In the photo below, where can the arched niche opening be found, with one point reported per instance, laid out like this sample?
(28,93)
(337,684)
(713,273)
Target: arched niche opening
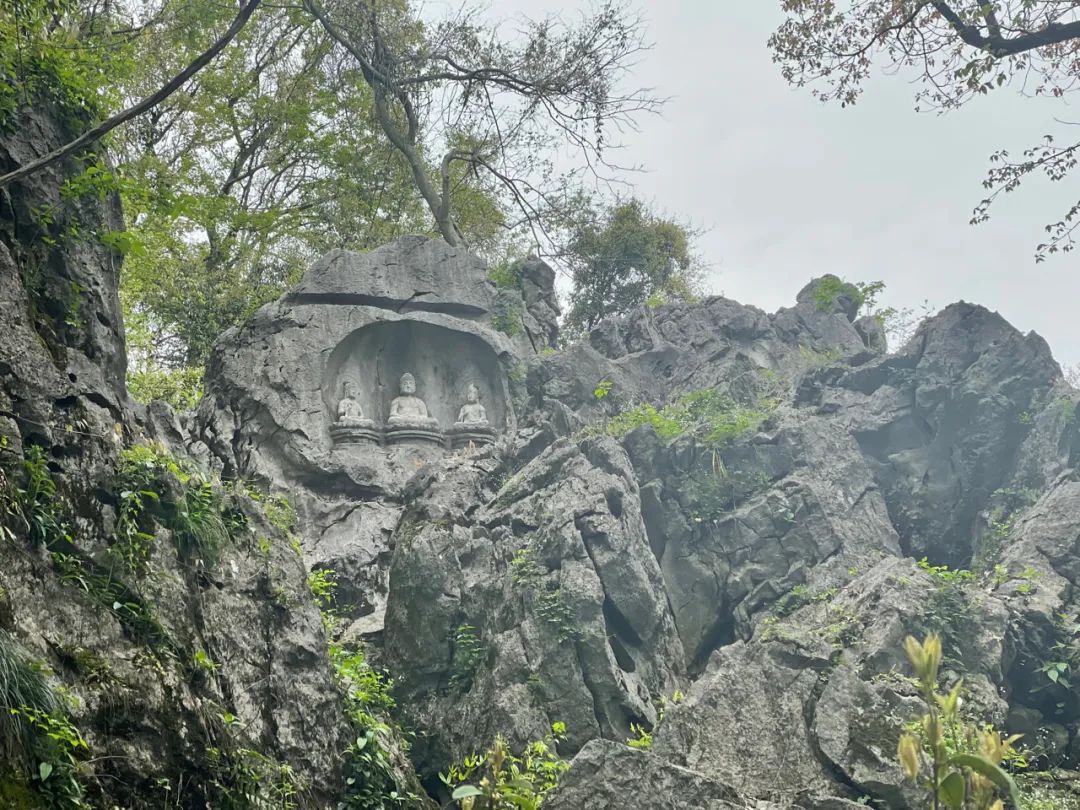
(443,362)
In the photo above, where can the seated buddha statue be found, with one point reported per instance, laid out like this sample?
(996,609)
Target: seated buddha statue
(349,412)
(472,413)
(409,409)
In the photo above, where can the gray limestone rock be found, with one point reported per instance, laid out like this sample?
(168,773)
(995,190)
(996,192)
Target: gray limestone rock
(606,775)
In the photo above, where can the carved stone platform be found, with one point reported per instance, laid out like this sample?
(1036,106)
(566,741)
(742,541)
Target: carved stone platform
(367,433)
(415,433)
(462,435)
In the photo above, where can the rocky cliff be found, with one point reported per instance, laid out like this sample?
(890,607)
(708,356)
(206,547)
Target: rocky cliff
(700,525)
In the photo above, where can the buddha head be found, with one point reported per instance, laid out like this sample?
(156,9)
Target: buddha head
(348,390)
(407,384)
(472,394)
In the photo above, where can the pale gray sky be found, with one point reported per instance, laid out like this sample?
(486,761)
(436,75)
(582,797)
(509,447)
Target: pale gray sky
(789,188)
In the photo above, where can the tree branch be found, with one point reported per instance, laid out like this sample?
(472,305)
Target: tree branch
(174,84)
(998,45)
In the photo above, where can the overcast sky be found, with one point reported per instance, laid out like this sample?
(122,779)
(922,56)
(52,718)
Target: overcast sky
(789,188)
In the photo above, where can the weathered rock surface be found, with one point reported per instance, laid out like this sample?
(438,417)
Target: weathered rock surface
(741,592)
(184,675)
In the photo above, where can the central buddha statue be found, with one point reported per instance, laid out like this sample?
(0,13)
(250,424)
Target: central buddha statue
(409,409)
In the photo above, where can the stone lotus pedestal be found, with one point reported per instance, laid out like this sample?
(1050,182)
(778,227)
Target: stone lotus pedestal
(462,434)
(361,431)
(415,432)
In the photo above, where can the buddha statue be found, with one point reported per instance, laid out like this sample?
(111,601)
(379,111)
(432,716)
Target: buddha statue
(349,412)
(409,409)
(351,426)
(472,413)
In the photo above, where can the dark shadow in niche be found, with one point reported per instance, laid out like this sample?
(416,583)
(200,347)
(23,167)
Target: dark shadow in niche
(443,362)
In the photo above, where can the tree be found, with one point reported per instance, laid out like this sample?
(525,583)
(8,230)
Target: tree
(492,109)
(960,49)
(624,256)
(235,185)
(40,21)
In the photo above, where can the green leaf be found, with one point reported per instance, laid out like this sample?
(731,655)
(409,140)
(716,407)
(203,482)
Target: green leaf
(952,790)
(465,791)
(44,770)
(991,771)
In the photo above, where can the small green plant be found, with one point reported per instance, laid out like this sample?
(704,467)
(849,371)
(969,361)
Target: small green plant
(710,416)
(31,510)
(505,274)
(366,697)
(499,780)
(154,488)
(22,684)
(958,766)
(603,388)
(1063,659)
(59,749)
(202,661)
(945,574)
(643,739)
(469,653)
(322,582)
(510,322)
(243,778)
(829,288)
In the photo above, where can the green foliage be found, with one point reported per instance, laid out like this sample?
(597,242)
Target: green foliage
(950,576)
(603,389)
(137,617)
(499,780)
(370,782)
(22,685)
(202,661)
(469,654)
(829,288)
(181,388)
(958,766)
(622,257)
(710,416)
(270,159)
(505,274)
(39,746)
(30,510)
(156,489)
(243,779)
(74,65)
(642,739)
(1063,658)
(322,582)
(547,600)
(509,321)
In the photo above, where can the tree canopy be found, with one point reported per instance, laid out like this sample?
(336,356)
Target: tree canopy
(244,140)
(957,50)
(624,256)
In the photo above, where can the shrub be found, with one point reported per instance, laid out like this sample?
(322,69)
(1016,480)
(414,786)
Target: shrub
(31,510)
(154,488)
(959,766)
(499,780)
(712,417)
(22,685)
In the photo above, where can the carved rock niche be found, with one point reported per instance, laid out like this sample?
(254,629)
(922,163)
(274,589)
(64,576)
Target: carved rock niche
(443,363)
